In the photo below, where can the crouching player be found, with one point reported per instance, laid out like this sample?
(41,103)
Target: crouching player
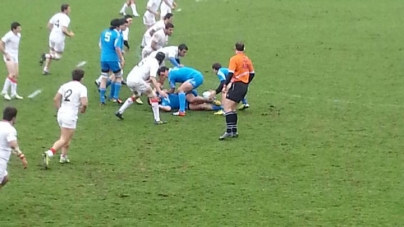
(137,81)
(192,102)
(221,74)
(189,78)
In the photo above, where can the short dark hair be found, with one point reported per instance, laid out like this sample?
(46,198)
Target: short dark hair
(239,46)
(161,70)
(127,16)
(169,25)
(123,21)
(115,23)
(14,25)
(216,66)
(9,113)
(168,16)
(64,7)
(77,74)
(182,46)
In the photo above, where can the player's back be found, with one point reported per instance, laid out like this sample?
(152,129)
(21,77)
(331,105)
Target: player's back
(241,66)
(156,27)
(182,74)
(222,74)
(109,40)
(59,21)
(71,92)
(144,68)
(7,131)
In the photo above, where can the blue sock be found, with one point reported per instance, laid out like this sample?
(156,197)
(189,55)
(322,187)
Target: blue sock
(244,101)
(102,95)
(216,108)
(117,89)
(112,91)
(181,97)
(109,82)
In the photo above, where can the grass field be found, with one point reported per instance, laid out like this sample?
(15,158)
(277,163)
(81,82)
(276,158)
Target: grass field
(329,154)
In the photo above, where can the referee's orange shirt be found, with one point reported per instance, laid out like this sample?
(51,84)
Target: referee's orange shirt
(241,67)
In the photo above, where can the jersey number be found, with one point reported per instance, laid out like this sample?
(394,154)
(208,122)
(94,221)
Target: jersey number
(57,23)
(67,95)
(107,37)
(140,63)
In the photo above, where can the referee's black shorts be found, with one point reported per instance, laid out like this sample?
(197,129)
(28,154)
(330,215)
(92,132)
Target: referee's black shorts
(237,91)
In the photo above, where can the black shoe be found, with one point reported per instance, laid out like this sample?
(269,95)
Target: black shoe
(119,115)
(43,58)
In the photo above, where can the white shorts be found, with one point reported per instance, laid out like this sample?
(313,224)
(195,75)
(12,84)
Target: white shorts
(13,58)
(3,169)
(57,46)
(149,19)
(67,122)
(164,10)
(138,86)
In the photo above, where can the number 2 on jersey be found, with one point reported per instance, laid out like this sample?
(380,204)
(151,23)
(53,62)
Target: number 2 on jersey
(67,95)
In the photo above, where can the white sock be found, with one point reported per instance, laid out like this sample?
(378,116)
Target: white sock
(45,69)
(134,10)
(99,79)
(123,8)
(13,88)
(156,110)
(126,105)
(49,153)
(6,86)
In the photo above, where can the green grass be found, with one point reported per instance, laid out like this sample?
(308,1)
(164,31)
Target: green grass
(332,157)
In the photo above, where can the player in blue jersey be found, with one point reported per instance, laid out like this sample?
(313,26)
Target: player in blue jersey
(189,78)
(221,74)
(111,58)
(172,102)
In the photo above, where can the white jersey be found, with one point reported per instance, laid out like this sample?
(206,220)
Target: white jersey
(12,42)
(145,69)
(7,134)
(170,52)
(71,92)
(164,4)
(156,27)
(153,5)
(125,34)
(160,38)
(58,21)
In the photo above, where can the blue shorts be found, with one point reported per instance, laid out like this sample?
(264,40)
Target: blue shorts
(196,80)
(113,66)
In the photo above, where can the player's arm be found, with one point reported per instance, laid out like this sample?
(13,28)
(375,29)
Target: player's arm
(232,68)
(173,60)
(12,142)
(65,24)
(3,46)
(168,3)
(148,8)
(58,99)
(252,72)
(154,43)
(165,108)
(83,100)
(119,51)
(50,24)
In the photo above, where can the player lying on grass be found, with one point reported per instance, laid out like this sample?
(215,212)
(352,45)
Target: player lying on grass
(221,74)
(192,102)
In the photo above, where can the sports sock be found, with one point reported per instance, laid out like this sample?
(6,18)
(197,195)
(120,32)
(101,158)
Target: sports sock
(117,89)
(244,101)
(216,108)
(123,9)
(134,10)
(231,119)
(155,108)
(234,130)
(181,96)
(112,91)
(7,84)
(13,87)
(126,105)
(102,95)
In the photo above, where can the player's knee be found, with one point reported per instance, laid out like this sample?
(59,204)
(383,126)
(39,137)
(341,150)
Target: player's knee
(57,56)
(154,100)
(5,180)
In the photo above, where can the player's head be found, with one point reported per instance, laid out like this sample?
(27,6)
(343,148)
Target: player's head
(239,47)
(216,67)
(162,71)
(169,29)
(15,27)
(168,18)
(160,56)
(124,24)
(115,23)
(65,8)
(10,114)
(77,75)
(129,19)
(182,50)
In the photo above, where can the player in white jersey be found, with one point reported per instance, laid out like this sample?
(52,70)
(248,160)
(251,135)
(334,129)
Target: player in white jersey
(166,7)
(138,82)
(58,26)
(9,47)
(158,40)
(149,17)
(173,54)
(156,27)
(70,99)
(132,5)
(8,143)
(125,32)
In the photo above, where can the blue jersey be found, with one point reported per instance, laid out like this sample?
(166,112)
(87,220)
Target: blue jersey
(184,74)
(173,100)
(109,41)
(222,74)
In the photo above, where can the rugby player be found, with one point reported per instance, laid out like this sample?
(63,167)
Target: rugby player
(192,102)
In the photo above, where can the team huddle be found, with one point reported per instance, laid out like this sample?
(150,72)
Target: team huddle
(167,89)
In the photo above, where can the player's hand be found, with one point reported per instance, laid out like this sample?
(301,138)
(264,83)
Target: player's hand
(224,89)
(7,57)
(24,161)
(163,94)
(122,62)
(71,34)
(180,65)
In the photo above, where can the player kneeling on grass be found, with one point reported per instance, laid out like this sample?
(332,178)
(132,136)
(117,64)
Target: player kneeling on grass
(8,143)
(69,100)
(193,102)
(137,81)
